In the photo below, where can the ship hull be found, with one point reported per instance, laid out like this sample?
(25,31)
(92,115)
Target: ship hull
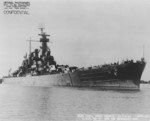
(72,80)
(124,76)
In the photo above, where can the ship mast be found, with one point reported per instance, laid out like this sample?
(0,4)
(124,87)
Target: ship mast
(143,51)
(44,41)
(30,46)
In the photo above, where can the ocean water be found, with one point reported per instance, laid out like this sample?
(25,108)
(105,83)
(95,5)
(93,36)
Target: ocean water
(22,103)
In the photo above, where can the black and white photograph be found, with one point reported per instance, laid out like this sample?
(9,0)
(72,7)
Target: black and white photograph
(75,60)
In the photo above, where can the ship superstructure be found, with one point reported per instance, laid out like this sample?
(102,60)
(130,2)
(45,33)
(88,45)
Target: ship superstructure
(39,62)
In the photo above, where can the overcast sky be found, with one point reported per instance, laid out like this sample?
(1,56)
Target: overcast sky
(83,32)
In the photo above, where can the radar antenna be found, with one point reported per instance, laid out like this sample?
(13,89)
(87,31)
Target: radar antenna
(42,28)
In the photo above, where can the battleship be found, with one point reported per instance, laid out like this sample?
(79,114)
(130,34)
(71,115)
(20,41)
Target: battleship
(41,69)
